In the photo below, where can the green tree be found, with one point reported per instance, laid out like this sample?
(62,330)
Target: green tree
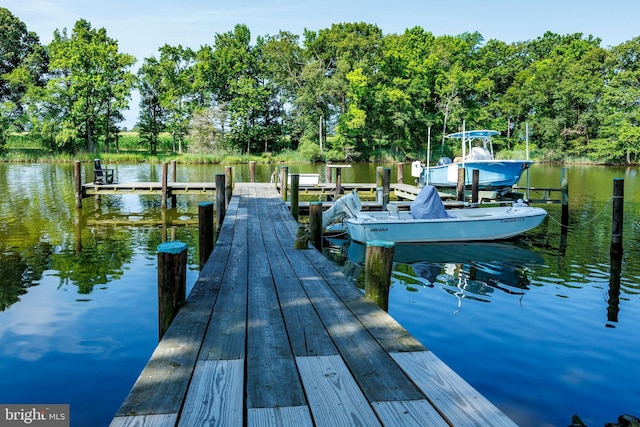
(250,99)
(619,108)
(92,79)
(23,64)
(151,121)
(176,65)
(334,53)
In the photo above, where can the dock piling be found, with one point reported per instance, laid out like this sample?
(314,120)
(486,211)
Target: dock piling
(377,271)
(617,215)
(205,231)
(475,184)
(228,174)
(174,176)
(284,181)
(165,168)
(172,279)
(221,200)
(564,188)
(401,173)
(386,187)
(252,171)
(460,188)
(315,224)
(77,173)
(295,196)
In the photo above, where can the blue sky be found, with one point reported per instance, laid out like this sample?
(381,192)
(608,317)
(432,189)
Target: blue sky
(142,26)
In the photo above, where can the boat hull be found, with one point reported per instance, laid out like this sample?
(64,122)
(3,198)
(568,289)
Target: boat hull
(482,224)
(493,173)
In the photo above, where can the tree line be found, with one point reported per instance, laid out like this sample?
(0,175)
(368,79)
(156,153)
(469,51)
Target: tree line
(366,90)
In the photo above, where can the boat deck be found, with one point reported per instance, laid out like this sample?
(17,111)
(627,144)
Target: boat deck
(271,335)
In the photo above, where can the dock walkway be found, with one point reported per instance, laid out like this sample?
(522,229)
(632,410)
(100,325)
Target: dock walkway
(271,335)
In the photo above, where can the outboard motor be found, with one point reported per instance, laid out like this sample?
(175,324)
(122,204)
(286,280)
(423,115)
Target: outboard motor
(444,161)
(347,205)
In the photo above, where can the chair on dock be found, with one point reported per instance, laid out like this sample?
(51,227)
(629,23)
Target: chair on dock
(101,175)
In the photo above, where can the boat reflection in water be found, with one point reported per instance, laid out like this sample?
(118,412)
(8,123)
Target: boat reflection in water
(466,270)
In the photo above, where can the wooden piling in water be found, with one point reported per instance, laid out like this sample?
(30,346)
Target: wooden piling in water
(205,229)
(228,179)
(221,200)
(338,182)
(475,184)
(315,224)
(295,196)
(252,171)
(174,176)
(400,173)
(460,188)
(163,202)
(379,189)
(386,187)
(77,174)
(327,172)
(617,217)
(377,271)
(564,187)
(284,182)
(172,281)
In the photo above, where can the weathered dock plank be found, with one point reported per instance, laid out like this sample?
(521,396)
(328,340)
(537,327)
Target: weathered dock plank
(456,400)
(216,394)
(329,386)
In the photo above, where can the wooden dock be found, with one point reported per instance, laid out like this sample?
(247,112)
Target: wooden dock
(271,335)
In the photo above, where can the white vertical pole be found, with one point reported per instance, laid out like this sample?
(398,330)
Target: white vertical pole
(428,153)
(527,143)
(464,150)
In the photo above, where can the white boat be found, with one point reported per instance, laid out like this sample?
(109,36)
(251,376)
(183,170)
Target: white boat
(477,153)
(428,221)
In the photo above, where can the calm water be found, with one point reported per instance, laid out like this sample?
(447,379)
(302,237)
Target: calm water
(539,325)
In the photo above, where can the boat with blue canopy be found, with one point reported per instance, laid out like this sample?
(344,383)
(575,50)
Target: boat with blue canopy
(477,153)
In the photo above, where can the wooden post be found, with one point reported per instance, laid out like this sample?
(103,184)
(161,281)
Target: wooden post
(460,189)
(327,172)
(379,189)
(221,200)
(618,214)
(172,281)
(564,186)
(165,191)
(338,182)
(228,174)
(475,184)
(205,228)
(315,224)
(77,173)
(284,182)
(295,195)
(400,173)
(252,171)
(174,175)
(377,272)
(386,187)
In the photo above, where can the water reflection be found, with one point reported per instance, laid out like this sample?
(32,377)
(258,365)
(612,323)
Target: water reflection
(464,270)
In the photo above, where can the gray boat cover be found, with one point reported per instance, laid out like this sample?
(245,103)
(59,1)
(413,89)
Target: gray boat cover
(428,205)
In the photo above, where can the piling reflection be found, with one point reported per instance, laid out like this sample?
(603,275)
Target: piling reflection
(613,303)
